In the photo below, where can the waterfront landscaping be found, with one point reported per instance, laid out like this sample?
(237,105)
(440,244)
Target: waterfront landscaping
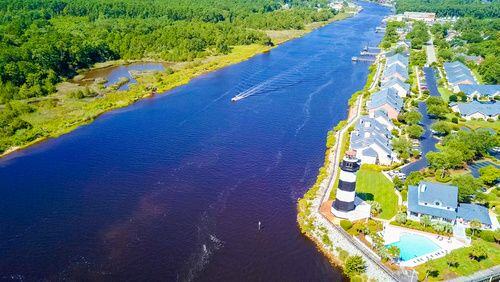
(461,142)
(461,262)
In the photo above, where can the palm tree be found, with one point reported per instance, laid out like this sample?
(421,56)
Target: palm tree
(475,225)
(425,220)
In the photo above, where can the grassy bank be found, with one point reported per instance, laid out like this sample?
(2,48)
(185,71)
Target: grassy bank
(60,113)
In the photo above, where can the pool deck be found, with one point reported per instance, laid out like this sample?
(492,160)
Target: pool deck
(392,233)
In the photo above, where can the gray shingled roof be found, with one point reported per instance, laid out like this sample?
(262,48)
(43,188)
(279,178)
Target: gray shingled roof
(457,72)
(484,90)
(436,192)
(446,194)
(487,109)
(369,131)
(370,152)
(471,212)
(393,69)
(394,81)
(386,95)
(382,113)
(397,58)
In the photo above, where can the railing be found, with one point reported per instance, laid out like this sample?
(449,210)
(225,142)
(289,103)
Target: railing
(490,274)
(366,253)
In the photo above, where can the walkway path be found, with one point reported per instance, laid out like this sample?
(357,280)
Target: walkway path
(337,235)
(339,136)
(490,274)
(431,53)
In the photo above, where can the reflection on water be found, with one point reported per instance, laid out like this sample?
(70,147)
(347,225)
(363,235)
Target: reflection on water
(114,74)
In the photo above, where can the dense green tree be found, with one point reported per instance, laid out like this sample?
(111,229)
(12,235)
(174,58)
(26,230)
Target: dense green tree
(411,117)
(468,187)
(415,131)
(418,35)
(402,146)
(413,178)
(489,174)
(441,127)
(489,70)
(43,42)
(418,58)
(450,8)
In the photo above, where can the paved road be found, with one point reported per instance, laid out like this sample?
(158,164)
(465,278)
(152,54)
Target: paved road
(431,53)
(427,142)
(430,78)
(474,168)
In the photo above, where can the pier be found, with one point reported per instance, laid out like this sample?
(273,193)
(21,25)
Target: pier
(363,59)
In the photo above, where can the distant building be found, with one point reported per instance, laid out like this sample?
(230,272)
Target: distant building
(451,34)
(457,73)
(480,91)
(419,16)
(477,110)
(440,202)
(337,6)
(405,44)
(371,140)
(387,100)
(476,59)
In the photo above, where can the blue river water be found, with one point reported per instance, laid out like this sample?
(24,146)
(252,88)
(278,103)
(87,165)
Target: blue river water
(173,187)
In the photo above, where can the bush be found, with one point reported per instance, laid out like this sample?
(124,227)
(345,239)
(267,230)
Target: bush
(442,177)
(478,252)
(488,236)
(343,254)
(404,195)
(345,224)
(454,119)
(354,265)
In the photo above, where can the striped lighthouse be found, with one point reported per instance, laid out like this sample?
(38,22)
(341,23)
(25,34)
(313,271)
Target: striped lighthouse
(346,191)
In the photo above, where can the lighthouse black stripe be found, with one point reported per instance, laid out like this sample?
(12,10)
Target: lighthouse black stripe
(346,186)
(349,166)
(343,206)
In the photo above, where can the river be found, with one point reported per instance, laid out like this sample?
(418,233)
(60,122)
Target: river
(173,187)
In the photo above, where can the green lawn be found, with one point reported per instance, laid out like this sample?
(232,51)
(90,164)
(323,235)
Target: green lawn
(445,93)
(373,185)
(474,124)
(466,266)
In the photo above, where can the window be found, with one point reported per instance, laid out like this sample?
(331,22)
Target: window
(437,203)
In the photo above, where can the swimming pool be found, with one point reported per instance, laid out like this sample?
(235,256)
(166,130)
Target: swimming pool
(413,245)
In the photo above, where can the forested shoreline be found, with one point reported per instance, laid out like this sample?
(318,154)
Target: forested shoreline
(43,43)
(452,8)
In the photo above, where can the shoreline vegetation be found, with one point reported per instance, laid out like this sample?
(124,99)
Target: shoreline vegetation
(59,113)
(305,219)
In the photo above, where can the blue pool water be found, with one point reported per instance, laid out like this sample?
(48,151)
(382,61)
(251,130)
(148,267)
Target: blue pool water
(413,245)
